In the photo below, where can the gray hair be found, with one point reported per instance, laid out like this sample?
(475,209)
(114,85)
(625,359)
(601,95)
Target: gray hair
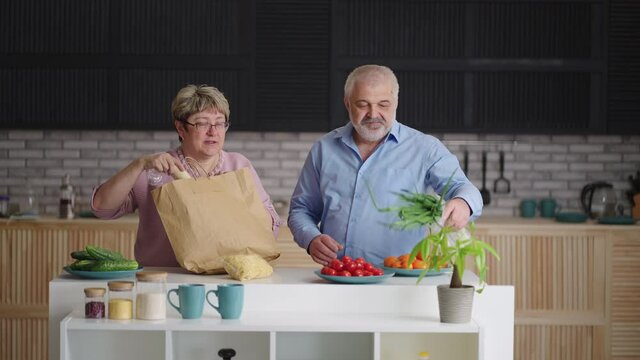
(193,99)
(371,74)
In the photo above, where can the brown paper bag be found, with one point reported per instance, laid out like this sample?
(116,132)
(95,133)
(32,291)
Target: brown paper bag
(209,218)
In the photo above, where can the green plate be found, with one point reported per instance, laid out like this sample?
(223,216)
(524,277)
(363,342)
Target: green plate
(102,274)
(417,272)
(356,279)
(571,217)
(617,220)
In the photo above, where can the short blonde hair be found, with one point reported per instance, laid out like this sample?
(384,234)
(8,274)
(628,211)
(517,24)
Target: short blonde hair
(371,74)
(193,99)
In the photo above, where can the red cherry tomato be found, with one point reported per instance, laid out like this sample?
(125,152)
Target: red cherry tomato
(360,260)
(336,265)
(351,267)
(366,273)
(346,259)
(358,272)
(344,273)
(377,272)
(368,267)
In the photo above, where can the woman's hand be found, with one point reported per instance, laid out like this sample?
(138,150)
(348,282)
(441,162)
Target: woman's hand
(162,162)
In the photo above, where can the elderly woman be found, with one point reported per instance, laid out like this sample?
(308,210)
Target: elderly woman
(201,118)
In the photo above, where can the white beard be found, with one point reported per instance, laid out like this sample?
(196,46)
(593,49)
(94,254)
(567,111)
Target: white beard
(372,134)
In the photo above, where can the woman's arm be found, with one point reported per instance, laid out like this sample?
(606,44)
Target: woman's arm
(114,191)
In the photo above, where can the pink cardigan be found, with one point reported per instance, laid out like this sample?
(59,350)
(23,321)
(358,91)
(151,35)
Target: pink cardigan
(152,246)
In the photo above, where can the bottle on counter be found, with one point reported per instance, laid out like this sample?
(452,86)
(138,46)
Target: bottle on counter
(120,300)
(30,206)
(67,198)
(151,295)
(94,307)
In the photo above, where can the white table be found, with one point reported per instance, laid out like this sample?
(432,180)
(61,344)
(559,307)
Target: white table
(291,315)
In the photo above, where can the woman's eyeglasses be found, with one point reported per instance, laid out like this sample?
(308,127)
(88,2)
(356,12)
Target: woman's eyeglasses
(204,127)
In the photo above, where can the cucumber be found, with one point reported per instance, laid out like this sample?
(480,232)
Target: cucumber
(81,255)
(115,265)
(83,265)
(99,253)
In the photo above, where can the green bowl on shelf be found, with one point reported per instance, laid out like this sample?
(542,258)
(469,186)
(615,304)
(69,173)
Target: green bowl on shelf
(571,217)
(616,220)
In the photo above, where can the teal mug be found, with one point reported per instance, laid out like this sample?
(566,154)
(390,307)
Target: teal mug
(230,300)
(191,300)
(528,208)
(549,208)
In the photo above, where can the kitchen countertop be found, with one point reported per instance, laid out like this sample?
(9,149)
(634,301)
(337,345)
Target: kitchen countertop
(483,223)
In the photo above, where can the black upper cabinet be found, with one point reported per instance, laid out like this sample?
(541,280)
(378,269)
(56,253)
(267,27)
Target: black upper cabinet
(502,66)
(292,65)
(480,66)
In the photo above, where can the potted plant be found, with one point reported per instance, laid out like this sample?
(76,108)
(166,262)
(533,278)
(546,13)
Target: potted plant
(443,246)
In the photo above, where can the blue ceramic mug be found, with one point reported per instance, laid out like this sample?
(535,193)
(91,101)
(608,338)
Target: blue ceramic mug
(230,300)
(191,300)
(549,208)
(528,208)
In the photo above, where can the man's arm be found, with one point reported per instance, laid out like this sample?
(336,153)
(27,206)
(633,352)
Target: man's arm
(306,204)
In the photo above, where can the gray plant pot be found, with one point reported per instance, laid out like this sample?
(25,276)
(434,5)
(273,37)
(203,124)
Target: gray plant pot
(455,304)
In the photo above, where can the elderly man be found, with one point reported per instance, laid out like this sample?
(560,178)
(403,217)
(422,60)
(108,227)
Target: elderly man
(332,213)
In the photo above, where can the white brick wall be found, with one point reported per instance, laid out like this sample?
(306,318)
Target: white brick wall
(537,165)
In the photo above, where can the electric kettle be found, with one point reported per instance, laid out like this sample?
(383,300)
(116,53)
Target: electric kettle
(598,199)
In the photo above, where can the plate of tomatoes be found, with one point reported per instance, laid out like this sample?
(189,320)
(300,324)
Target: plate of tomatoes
(353,271)
(400,265)
(417,272)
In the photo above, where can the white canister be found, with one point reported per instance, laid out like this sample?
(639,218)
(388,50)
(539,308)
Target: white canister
(151,295)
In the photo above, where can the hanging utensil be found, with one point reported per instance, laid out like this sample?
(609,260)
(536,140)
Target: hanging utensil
(484,192)
(501,185)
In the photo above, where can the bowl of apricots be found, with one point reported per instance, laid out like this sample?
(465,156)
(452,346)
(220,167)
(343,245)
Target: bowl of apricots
(402,267)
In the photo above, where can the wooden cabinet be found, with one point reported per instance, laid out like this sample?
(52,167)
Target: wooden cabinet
(577,287)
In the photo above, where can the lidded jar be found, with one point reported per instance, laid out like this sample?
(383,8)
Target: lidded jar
(94,307)
(151,295)
(120,300)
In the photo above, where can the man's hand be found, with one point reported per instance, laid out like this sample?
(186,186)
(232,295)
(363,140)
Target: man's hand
(323,248)
(456,213)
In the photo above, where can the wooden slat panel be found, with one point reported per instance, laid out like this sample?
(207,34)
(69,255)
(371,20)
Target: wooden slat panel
(39,255)
(24,339)
(625,298)
(549,272)
(553,342)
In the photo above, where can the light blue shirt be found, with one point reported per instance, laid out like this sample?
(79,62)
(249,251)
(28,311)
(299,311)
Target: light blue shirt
(331,196)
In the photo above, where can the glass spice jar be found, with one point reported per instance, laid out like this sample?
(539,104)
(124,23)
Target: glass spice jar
(151,294)
(120,300)
(94,307)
